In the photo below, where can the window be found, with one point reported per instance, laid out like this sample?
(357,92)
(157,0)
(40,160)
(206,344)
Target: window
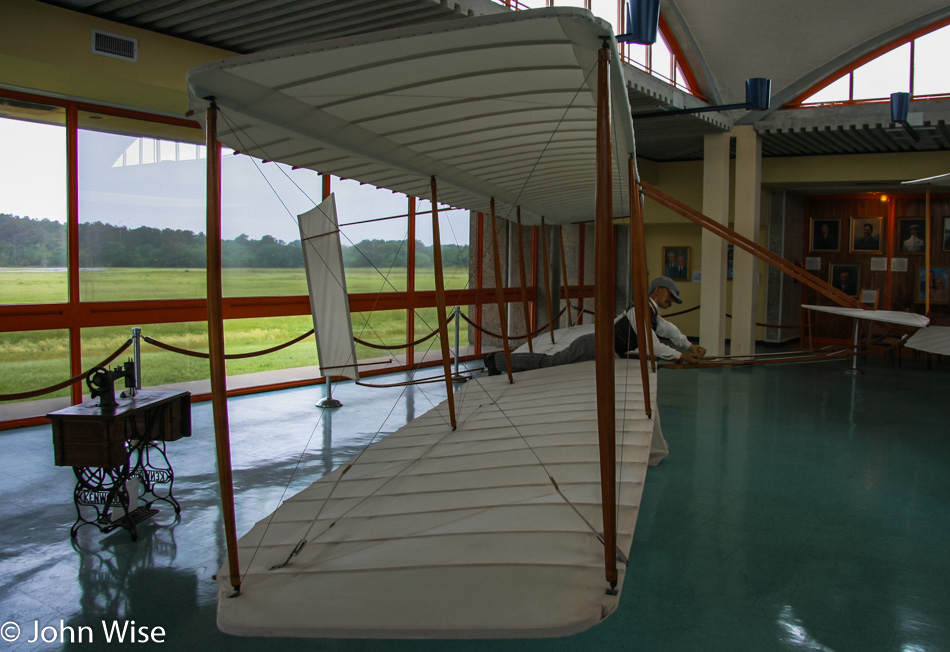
(141,210)
(910,65)
(658,59)
(32,204)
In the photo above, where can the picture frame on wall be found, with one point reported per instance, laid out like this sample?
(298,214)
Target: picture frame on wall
(676,263)
(939,280)
(845,277)
(946,234)
(825,235)
(912,235)
(867,236)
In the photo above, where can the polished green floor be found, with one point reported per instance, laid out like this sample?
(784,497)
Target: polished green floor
(801,508)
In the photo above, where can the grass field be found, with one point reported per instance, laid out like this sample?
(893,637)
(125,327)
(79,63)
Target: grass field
(36,359)
(134,284)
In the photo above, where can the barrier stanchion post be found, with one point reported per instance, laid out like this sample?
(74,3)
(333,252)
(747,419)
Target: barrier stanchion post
(137,357)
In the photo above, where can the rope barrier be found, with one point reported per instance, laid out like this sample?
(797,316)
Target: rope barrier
(227,356)
(65,383)
(533,333)
(406,383)
(391,347)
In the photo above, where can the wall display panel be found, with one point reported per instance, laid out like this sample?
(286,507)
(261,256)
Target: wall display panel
(893,273)
(33,360)
(454,235)
(141,209)
(32,203)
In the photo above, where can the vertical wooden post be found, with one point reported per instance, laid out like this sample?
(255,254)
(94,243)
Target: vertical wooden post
(72,245)
(500,293)
(479,280)
(638,267)
(219,388)
(604,283)
(927,237)
(524,283)
(440,302)
(581,276)
(567,286)
(546,263)
(643,290)
(411,283)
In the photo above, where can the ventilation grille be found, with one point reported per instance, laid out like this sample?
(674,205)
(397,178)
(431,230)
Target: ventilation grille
(115,46)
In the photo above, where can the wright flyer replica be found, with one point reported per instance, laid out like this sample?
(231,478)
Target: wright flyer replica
(509,509)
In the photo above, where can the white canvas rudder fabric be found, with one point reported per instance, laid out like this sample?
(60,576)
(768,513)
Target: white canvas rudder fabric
(329,301)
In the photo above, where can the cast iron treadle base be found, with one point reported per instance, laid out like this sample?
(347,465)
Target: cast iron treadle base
(133,518)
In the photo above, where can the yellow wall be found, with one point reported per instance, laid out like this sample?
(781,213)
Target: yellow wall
(48,49)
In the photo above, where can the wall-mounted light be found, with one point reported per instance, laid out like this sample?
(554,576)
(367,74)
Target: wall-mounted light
(758,91)
(643,17)
(900,107)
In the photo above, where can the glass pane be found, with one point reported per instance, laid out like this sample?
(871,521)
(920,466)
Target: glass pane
(159,367)
(33,360)
(260,202)
(606,9)
(837,91)
(252,335)
(141,210)
(681,79)
(453,232)
(374,226)
(637,54)
(931,53)
(32,203)
(662,59)
(431,349)
(889,73)
(382,327)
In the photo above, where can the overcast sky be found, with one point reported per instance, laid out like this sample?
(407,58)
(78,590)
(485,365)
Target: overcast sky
(117,187)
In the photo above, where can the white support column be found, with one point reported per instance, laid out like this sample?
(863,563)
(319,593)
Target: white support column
(712,316)
(748,217)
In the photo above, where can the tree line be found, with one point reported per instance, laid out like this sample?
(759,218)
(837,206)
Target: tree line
(27,242)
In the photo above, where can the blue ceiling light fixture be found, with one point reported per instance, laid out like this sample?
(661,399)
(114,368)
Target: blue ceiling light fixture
(643,18)
(900,108)
(758,92)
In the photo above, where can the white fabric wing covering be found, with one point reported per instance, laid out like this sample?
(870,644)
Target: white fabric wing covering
(933,339)
(887,316)
(431,533)
(329,301)
(500,106)
(563,338)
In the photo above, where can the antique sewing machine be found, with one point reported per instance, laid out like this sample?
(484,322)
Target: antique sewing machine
(116,446)
(101,383)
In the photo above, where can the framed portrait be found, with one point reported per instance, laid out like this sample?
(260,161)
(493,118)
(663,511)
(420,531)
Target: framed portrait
(846,278)
(825,235)
(911,236)
(946,234)
(939,281)
(676,263)
(866,235)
